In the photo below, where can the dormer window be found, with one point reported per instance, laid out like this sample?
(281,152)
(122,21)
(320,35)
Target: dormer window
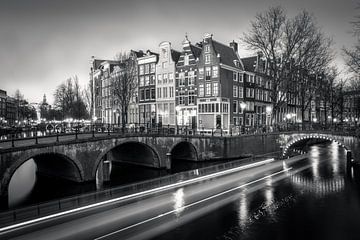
(236,63)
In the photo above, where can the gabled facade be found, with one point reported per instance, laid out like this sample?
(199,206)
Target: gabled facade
(257,90)
(100,72)
(219,71)
(186,85)
(165,84)
(147,87)
(133,110)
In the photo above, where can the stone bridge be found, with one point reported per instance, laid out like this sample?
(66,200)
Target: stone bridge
(80,159)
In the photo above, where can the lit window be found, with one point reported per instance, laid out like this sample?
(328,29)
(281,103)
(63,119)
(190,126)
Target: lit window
(215,71)
(208,73)
(182,79)
(207,48)
(215,89)
(201,90)
(191,78)
(208,89)
(207,58)
(201,73)
(147,80)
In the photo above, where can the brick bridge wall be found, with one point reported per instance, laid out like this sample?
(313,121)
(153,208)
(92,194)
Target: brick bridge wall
(86,154)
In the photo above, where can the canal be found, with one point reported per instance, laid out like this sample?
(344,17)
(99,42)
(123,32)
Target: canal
(320,201)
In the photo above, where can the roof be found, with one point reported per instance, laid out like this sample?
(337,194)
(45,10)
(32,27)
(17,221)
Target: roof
(195,50)
(139,53)
(249,63)
(175,55)
(227,54)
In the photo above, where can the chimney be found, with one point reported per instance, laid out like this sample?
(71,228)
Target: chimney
(234,46)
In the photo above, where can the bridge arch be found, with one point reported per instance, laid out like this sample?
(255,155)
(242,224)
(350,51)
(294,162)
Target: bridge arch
(47,163)
(306,137)
(184,150)
(133,152)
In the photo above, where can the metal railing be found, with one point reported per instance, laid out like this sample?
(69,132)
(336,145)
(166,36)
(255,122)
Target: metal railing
(47,208)
(75,132)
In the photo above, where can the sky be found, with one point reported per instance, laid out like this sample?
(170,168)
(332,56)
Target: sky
(43,43)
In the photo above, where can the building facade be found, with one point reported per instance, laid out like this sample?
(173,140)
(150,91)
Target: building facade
(219,70)
(147,85)
(186,85)
(165,84)
(257,109)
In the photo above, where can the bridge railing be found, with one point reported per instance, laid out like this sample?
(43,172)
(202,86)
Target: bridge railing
(30,136)
(47,208)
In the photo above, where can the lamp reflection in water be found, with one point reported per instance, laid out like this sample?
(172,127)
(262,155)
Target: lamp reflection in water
(243,209)
(269,196)
(334,158)
(179,201)
(314,156)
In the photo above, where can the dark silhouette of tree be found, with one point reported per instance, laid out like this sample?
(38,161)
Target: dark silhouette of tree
(68,100)
(294,49)
(125,84)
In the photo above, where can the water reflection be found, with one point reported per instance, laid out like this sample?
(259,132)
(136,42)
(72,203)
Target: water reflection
(179,202)
(22,183)
(243,209)
(314,157)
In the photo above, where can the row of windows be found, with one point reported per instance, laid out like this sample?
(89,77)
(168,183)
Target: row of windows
(183,100)
(163,92)
(165,78)
(182,78)
(237,107)
(213,108)
(209,72)
(238,91)
(146,68)
(262,95)
(147,80)
(208,87)
(147,94)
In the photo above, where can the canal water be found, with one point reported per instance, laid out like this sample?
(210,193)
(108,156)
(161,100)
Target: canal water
(320,202)
(27,187)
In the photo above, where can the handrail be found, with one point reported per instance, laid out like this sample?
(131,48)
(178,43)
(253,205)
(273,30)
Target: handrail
(55,206)
(115,130)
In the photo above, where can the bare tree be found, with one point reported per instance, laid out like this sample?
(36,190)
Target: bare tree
(68,99)
(125,84)
(289,46)
(352,56)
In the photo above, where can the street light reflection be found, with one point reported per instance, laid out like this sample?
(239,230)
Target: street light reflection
(179,201)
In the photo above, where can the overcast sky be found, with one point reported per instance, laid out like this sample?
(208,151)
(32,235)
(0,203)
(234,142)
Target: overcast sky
(44,42)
